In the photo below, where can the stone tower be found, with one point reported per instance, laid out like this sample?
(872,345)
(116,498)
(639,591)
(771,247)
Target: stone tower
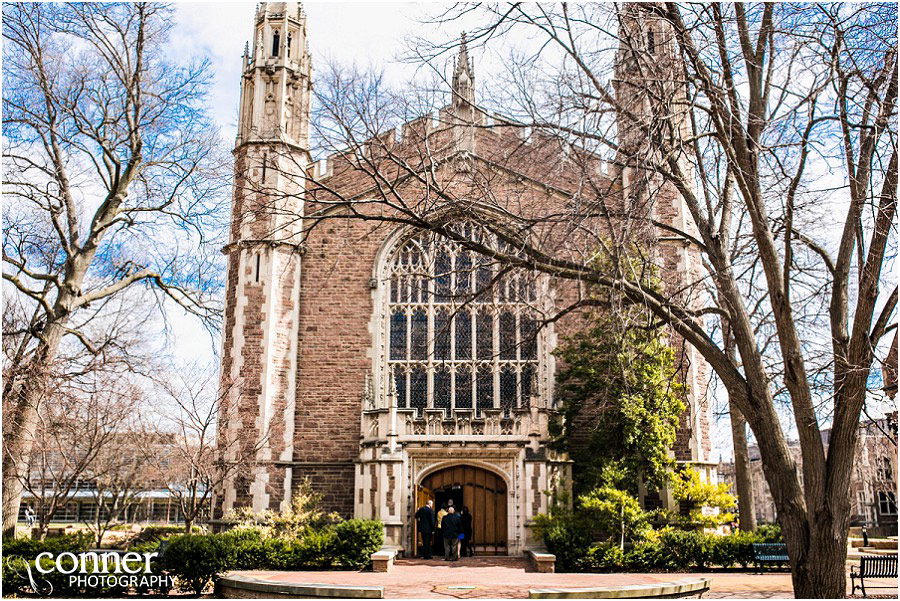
(259,358)
(652,104)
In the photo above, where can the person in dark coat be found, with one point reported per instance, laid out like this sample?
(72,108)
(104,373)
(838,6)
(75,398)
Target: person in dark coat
(425,525)
(451,528)
(466,518)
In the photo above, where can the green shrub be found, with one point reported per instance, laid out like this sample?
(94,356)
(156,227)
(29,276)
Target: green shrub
(685,549)
(30,548)
(644,556)
(605,557)
(196,560)
(247,549)
(564,537)
(316,551)
(768,533)
(146,547)
(55,583)
(356,540)
(736,548)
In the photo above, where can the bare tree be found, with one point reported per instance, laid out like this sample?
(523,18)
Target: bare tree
(613,114)
(191,463)
(112,175)
(119,475)
(75,428)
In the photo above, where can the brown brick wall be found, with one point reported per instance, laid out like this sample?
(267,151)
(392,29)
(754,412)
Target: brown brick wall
(334,481)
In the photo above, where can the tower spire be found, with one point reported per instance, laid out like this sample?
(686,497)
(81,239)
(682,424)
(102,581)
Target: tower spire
(463,77)
(262,302)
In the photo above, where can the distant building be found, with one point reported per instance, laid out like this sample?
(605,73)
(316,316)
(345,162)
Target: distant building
(873,485)
(153,507)
(149,498)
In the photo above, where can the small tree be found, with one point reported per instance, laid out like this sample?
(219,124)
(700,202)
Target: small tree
(77,425)
(689,489)
(119,474)
(190,463)
(304,515)
(616,511)
(618,382)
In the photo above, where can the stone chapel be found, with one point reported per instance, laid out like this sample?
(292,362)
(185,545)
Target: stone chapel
(347,358)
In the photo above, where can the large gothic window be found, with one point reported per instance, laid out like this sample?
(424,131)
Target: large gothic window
(461,328)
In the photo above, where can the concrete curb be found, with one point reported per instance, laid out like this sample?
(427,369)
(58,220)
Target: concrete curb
(677,589)
(245,587)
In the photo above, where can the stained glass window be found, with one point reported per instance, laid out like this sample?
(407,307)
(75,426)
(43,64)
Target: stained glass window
(463,396)
(508,391)
(507,335)
(461,333)
(418,389)
(484,389)
(442,334)
(398,335)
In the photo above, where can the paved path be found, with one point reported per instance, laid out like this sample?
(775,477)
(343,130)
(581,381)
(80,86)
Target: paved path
(505,577)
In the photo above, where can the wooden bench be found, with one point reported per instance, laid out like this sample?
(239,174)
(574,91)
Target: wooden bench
(769,553)
(884,566)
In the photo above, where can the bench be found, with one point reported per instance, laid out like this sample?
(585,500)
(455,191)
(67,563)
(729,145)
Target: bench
(382,560)
(769,553)
(541,561)
(884,566)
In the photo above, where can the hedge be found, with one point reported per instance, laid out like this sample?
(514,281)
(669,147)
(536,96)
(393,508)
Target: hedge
(29,548)
(675,550)
(197,560)
(667,549)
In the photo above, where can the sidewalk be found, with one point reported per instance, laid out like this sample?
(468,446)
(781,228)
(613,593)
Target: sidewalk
(499,577)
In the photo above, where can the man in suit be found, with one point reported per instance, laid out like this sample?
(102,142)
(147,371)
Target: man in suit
(425,526)
(465,549)
(451,527)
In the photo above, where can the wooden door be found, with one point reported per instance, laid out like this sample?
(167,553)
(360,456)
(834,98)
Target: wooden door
(423,494)
(484,493)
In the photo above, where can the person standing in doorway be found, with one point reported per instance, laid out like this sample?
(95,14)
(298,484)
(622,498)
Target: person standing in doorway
(466,518)
(451,528)
(425,526)
(438,536)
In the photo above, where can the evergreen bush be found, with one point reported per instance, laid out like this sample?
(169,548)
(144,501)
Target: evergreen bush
(564,537)
(356,540)
(30,548)
(196,560)
(769,533)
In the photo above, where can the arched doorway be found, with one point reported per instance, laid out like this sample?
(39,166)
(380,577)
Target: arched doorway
(482,491)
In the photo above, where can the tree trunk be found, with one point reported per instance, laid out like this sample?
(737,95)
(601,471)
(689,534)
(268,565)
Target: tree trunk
(188,524)
(743,481)
(822,574)
(43,524)
(17,445)
(18,437)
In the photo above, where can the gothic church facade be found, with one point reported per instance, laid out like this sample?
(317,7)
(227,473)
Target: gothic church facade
(347,360)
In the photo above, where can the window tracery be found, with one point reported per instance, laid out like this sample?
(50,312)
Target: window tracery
(461,330)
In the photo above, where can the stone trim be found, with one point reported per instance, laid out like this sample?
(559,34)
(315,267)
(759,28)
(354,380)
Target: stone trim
(237,586)
(541,561)
(677,589)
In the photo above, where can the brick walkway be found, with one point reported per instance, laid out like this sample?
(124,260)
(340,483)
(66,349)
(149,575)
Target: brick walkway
(505,577)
